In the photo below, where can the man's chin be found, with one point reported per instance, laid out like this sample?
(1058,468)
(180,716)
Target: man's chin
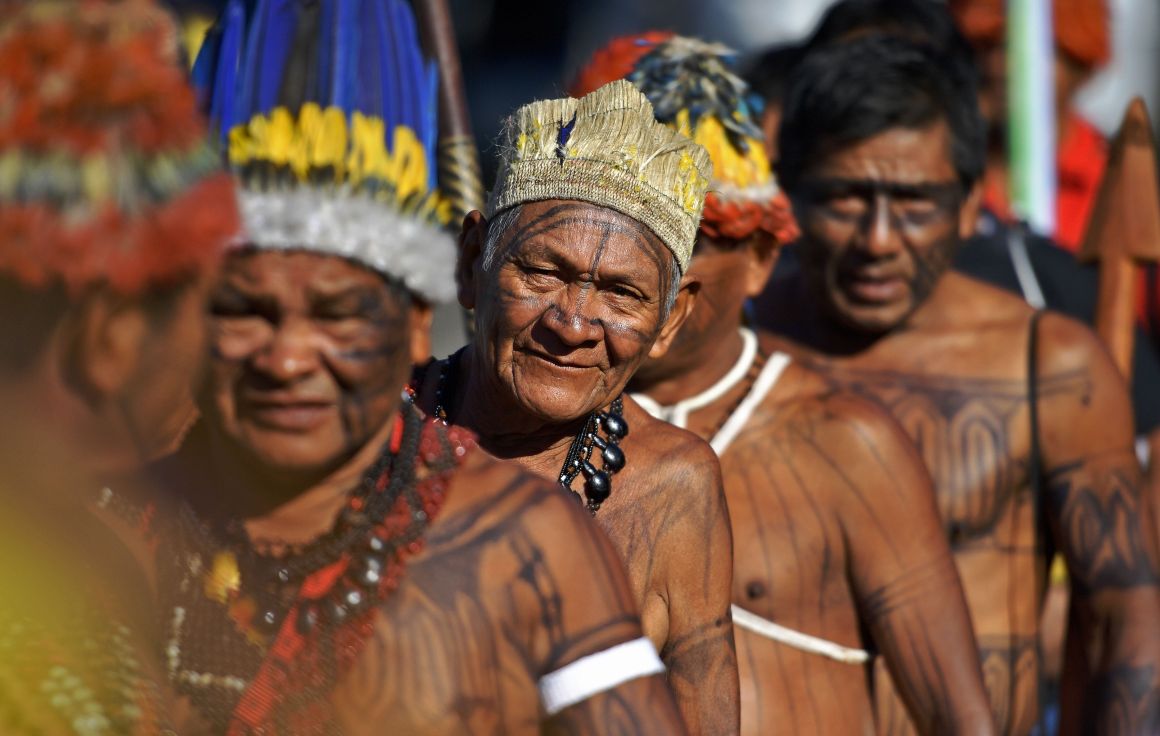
(298,456)
(872,319)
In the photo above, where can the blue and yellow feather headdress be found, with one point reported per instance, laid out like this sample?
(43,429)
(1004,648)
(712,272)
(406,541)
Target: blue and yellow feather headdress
(328,110)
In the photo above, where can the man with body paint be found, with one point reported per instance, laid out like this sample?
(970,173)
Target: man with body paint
(576,275)
(841,565)
(1022,420)
(333,561)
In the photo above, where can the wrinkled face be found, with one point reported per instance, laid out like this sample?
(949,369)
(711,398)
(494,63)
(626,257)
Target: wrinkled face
(309,354)
(570,308)
(729,272)
(881,220)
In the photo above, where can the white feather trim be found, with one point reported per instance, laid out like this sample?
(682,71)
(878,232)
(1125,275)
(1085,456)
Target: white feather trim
(333,222)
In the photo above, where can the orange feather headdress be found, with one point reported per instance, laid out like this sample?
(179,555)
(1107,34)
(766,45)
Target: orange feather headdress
(106,172)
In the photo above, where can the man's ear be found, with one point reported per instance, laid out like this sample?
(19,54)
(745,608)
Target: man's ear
(969,212)
(682,308)
(419,324)
(763,251)
(104,337)
(471,237)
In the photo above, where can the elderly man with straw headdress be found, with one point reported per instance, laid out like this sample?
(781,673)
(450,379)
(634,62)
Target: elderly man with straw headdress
(576,276)
(841,564)
(334,561)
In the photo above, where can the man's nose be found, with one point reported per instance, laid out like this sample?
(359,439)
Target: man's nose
(291,353)
(881,236)
(573,318)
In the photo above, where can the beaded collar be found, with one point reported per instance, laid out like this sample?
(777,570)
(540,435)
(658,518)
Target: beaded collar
(257,641)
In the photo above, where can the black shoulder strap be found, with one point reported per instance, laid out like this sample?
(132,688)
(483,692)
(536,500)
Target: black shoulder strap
(1035,464)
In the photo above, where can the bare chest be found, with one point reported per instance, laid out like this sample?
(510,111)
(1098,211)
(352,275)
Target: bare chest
(973,433)
(789,552)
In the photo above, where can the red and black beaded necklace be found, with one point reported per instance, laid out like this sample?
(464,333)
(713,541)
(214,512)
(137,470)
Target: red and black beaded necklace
(258,641)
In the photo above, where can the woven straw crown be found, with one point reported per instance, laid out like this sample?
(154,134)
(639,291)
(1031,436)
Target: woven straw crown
(606,148)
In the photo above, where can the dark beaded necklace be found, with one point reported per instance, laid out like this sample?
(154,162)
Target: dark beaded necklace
(274,633)
(597,482)
(276,579)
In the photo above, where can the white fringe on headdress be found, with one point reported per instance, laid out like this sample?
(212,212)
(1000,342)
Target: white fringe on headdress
(354,226)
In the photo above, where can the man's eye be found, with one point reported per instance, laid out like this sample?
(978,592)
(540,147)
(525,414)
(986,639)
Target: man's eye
(626,292)
(541,274)
(846,205)
(233,308)
(336,314)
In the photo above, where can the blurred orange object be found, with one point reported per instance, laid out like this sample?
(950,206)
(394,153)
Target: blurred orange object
(1081,26)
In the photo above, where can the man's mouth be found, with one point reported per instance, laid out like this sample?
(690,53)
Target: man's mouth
(555,361)
(872,288)
(291,415)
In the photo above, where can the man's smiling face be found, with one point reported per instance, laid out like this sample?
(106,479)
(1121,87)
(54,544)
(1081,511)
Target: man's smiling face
(573,299)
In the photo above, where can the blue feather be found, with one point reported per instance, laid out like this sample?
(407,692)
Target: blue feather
(223,106)
(408,61)
(385,78)
(430,130)
(325,60)
(369,93)
(277,39)
(345,54)
(255,37)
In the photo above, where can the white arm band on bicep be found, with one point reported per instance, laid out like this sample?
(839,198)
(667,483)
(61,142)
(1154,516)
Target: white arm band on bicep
(576,682)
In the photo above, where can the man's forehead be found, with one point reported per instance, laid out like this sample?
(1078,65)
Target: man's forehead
(578,227)
(301,270)
(898,155)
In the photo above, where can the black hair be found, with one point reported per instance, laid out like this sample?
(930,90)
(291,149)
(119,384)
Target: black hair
(768,73)
(845,93)
(921,21)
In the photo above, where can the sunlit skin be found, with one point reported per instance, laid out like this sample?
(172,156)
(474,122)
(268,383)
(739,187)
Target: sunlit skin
(876,312)
(832,515)
(571,307)
(310,354)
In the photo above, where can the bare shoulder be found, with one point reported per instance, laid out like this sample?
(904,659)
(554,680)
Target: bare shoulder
(978,301)
(675,459)
(842,433)
(1066,344)
(493,494)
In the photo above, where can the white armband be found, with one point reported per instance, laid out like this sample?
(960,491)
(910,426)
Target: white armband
(576,682)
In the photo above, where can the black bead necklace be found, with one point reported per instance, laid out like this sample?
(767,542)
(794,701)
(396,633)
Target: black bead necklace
(597,483)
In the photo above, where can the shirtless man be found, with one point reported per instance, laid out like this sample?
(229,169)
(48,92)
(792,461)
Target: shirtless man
(1023,422)
(834,524)
(575,278)
(334,561)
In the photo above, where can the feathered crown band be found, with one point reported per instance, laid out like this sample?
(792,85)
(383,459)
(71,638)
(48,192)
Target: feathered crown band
(330,102)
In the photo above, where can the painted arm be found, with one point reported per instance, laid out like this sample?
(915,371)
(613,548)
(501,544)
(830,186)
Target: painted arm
(698,554)
(591,633)
(904,576)
(1099,521)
